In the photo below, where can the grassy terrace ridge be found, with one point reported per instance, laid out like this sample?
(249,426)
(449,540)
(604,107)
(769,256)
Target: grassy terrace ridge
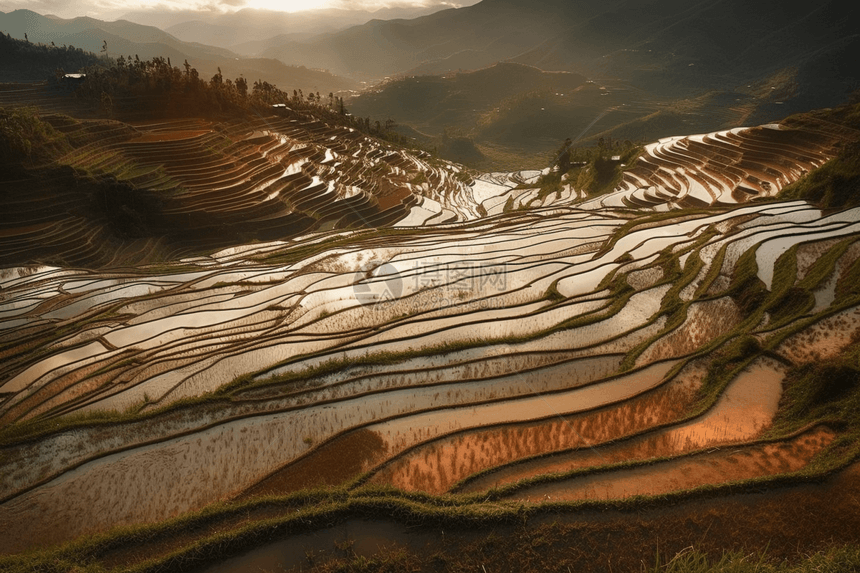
(312,511)
(431,351)
(739,358)
(132,197)
(28,431)
(238,392)
(835,186)
(141,203)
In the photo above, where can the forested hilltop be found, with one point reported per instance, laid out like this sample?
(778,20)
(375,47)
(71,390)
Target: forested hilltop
(129,88)
(21,60)
(107,154)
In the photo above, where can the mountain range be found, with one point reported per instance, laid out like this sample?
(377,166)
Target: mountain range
(662,45)
(644,69)
(659,67)
(246,29)
(129,39)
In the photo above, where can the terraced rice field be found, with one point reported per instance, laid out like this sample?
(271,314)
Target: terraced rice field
(188,187)
(584,348)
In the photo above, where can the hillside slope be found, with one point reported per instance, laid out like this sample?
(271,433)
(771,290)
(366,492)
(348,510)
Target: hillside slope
(723,38)
(243,29)
(123,195)
(470,101)
(23,61)
(659,68)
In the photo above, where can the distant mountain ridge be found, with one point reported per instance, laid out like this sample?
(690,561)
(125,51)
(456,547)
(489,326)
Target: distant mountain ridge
(655,67)
(484,103)
(25,61)
(499,29)
(242,30)
(654,43)
(658,67)
(130,39)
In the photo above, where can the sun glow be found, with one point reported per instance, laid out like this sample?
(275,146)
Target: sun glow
(288,5)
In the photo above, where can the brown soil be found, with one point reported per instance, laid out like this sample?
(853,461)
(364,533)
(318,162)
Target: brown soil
(721,466)
(735,418)
(787,522)
(394,198)
(331,464)
(823,340)
(438,465)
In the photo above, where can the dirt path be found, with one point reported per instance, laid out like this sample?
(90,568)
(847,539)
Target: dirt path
(787,522)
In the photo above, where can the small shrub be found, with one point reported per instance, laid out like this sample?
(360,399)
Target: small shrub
(730,357)
(552,293)
(25,138)
(747,290)
(793,301)
(822,390)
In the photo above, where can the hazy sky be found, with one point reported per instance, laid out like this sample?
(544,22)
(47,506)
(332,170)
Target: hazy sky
(113,9)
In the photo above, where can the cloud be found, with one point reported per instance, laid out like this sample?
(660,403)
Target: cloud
(379,4)
(112,9)
(61,8)
(163,13)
